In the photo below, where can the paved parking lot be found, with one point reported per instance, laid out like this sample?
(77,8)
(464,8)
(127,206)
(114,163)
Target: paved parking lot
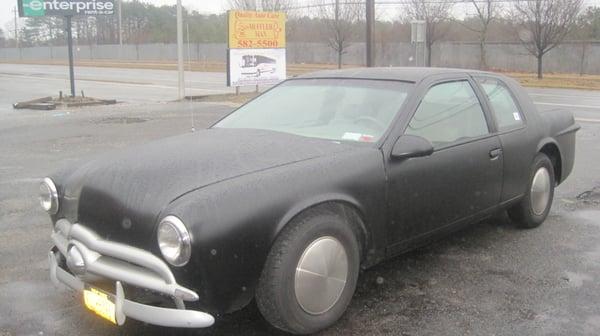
(490,279)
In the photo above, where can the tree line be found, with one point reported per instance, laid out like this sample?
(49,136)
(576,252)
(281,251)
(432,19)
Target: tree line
(539,24)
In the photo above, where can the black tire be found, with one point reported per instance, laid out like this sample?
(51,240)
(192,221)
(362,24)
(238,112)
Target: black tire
(523,213)
(276,297)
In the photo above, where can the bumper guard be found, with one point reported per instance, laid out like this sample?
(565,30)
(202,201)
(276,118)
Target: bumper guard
(124,264)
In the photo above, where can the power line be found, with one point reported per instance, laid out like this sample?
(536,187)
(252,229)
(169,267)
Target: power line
(409,2)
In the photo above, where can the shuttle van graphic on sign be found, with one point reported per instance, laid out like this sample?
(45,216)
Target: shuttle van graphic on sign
(255,65)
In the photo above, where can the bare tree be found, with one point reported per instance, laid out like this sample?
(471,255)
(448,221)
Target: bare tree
(435,14)
(340,25)
(545,24)
(486,11)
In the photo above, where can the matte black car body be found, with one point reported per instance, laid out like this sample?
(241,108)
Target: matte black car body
(236,189)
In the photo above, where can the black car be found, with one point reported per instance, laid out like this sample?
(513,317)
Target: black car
(288,197)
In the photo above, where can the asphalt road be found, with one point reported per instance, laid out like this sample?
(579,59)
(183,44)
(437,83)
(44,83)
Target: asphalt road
(19,82)
(25,81)
(490,279)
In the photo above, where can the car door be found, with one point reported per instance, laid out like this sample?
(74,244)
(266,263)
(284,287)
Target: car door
(512,131)
(463,176)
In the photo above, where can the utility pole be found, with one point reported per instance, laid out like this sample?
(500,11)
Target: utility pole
(15,11)
(370,11)
(181,87)
(120,24)
(70,51)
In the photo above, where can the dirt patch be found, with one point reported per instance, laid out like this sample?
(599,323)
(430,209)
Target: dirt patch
(52,103)
(238,99)
(589,199)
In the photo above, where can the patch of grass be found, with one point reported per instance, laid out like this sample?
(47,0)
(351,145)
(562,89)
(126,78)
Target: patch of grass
(292,69)
(559,81)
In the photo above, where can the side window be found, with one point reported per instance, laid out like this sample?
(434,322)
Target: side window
(449,112)
(503,105)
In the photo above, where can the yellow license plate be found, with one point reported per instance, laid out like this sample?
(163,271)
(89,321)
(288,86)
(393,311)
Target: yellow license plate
(100,303)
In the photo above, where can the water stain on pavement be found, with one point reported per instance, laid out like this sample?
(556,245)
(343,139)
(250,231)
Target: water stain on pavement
(577,279)
(121,120)
(590,216)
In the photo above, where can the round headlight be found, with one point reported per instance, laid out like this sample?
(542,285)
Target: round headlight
(49,196)
(174,241)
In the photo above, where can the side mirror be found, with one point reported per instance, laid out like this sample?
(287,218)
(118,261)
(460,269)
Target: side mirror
(411,146)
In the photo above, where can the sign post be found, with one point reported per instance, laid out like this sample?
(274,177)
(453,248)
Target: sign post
(256,48)
(418,37)
(180,78)
(66,9)
(70,50)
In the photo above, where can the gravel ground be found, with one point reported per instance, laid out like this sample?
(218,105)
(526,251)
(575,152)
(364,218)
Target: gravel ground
(489,279)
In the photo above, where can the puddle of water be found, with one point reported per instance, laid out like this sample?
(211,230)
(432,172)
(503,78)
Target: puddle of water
(594,255)
(592,325)
(577,279)
(590,216)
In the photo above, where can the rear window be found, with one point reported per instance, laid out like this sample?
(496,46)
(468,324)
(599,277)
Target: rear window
(504,107)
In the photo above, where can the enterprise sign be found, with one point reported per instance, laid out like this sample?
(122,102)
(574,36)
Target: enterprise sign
(30,8)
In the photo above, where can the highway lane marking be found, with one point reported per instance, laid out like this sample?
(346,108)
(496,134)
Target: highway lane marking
(564,96)
(82,72)
(107,82)
(570,105)
(21,180)
(587,120)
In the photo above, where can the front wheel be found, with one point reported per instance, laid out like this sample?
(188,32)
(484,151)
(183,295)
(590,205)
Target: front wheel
(533,209)
(310,274)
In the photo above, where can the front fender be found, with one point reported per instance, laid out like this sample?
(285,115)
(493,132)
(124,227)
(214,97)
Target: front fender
(305,204)
(234,223)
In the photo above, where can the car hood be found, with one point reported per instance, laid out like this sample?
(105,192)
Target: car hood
(128,189)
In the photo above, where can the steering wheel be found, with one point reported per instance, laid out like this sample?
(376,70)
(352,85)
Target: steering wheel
(374,122)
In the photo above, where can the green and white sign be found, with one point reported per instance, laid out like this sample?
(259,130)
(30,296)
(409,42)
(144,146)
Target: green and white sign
(31,8)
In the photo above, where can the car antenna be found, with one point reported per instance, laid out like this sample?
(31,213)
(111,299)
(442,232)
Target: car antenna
(191,97)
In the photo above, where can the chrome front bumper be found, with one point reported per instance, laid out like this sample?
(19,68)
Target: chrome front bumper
(106,260)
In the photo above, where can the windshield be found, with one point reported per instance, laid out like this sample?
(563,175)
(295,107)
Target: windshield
(336,109)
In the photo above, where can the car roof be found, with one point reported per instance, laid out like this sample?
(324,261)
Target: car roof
(409,74)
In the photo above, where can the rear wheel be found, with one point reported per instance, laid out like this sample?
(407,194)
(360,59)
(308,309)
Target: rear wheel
(310,274)
(533,209)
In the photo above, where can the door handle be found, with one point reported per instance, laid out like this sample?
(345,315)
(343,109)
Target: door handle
(495,153)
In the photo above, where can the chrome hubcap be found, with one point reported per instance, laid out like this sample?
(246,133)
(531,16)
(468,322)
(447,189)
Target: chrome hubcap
(321,275)
(540,191)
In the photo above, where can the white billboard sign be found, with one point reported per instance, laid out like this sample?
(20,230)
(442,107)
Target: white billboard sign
(256,67)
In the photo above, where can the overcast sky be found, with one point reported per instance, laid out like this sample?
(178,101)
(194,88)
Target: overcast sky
(215,6)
